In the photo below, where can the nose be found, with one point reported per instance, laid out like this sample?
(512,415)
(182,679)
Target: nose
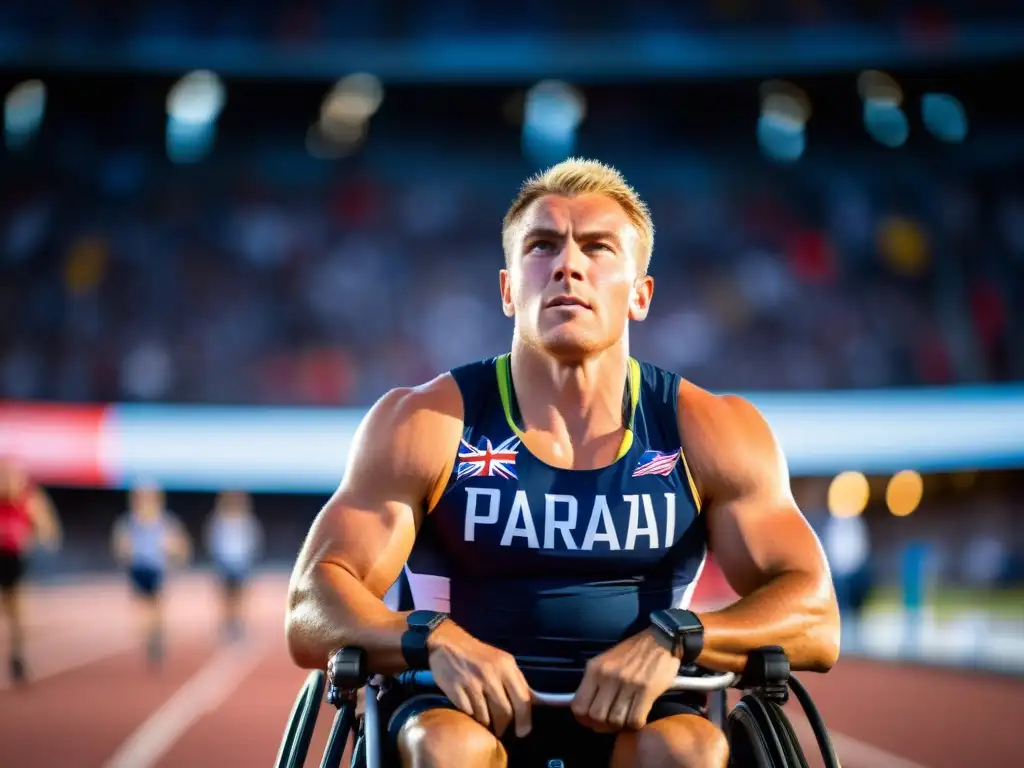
(569,265)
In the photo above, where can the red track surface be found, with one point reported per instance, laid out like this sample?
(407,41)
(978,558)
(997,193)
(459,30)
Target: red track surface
(94,692)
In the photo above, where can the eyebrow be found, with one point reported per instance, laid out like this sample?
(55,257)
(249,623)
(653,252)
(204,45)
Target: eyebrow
(554,234)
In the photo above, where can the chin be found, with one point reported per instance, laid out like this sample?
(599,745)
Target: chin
(570,347)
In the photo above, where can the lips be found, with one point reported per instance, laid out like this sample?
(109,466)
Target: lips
(567,301)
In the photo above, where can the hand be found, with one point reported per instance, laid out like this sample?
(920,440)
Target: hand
(621,685)
(481,680)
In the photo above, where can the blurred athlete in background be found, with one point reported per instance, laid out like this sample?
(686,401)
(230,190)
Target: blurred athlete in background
(27,518)
(234,540)
(147,540)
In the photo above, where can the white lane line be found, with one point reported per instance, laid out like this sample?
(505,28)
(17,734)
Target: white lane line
(852,753)
(204,692)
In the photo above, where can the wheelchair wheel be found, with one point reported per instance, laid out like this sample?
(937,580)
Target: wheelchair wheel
(299,732)
(760,736)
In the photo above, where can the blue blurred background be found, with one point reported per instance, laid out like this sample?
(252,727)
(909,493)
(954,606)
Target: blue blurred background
(262,208)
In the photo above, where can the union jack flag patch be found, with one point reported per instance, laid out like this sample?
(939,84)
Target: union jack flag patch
(488,460)
(656,463)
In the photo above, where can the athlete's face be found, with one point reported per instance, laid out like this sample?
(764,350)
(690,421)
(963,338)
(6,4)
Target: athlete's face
(573,281)
(234,503)
(147,501)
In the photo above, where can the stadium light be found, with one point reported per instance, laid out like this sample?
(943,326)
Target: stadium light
(785,110)
(904,492)
(883,112)
(198,97)
(24,108)
(552,112)
(944,116)
(194,104)
(848,494)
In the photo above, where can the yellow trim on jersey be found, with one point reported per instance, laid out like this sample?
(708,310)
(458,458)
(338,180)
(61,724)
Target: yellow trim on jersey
(634,400)
(504,372)
(505,391)
(689,479)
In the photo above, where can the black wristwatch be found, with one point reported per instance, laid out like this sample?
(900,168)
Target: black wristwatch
(414,639)
(683,629)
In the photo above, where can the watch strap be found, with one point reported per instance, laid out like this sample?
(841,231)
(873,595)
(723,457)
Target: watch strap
(414,639)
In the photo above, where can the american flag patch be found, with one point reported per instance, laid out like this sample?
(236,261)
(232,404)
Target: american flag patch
(656,463)
(488,460)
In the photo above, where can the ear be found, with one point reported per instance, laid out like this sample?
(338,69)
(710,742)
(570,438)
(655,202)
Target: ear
(505,281)
(640,303)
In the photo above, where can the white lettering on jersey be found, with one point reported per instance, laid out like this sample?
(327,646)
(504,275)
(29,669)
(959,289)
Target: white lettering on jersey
(471,516)
(551,522)
(601,515)
(561,515)
(520,509)
(650,529)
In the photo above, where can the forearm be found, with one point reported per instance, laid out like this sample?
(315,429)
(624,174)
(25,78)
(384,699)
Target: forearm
(330,608)
(795,610)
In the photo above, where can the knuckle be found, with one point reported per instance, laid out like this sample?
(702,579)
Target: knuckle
(634,680)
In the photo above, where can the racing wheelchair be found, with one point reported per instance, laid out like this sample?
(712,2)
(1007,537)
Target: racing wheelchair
(759,733)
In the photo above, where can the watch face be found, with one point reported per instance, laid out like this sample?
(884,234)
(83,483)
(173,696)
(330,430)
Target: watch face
(422,619)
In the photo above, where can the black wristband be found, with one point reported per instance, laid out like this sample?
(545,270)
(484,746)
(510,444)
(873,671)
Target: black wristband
(414,640)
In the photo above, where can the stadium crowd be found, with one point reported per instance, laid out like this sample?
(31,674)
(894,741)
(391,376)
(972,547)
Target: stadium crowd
(232,282)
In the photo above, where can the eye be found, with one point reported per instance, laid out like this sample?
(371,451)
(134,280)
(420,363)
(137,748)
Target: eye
(601,247)
(541,245)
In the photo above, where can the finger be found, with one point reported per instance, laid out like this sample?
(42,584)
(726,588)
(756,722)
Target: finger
(602,703)
(481,712)
(500,708)
(639,710)
(522,703)
(461,699)
(584,697)
(620,708)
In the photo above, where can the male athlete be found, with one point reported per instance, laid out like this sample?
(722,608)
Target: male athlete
(557,503)
(27,517)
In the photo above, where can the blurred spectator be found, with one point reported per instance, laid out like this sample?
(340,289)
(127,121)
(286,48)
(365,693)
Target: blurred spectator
(234,539)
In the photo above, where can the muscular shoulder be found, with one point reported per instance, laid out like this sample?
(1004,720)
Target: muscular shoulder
(727,440)
(409,435)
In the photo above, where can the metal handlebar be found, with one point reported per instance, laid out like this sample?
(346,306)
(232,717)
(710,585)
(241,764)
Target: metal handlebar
(424,680)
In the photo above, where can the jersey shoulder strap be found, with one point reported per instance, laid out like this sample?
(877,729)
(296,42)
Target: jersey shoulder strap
(478,383)
(659,401)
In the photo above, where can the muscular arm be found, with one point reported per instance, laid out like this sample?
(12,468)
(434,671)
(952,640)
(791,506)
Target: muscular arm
(360,540)
(766,549)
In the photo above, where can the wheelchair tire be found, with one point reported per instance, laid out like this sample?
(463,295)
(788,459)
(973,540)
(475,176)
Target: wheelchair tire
(757,739)
(299,733)
(790,743)
(359,752)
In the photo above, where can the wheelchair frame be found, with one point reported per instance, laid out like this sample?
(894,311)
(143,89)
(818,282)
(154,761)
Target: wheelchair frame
(760,734)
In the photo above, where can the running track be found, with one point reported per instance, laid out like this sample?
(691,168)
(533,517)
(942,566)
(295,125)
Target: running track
(95,704)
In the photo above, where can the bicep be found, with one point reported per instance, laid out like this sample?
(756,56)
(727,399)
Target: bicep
(371,541)
(369,525)
(758,537)
(755,528)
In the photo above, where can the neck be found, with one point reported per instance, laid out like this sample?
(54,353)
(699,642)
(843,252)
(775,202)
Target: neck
(582,399)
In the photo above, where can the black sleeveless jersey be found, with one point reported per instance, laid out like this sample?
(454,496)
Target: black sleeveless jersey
(555,565)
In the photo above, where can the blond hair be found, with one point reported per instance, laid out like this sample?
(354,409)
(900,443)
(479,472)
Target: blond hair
(577,176)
